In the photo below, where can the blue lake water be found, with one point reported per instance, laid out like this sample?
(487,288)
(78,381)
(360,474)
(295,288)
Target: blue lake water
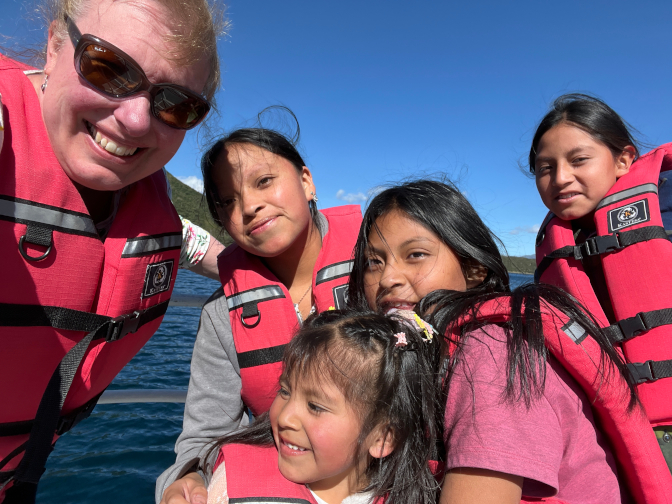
(116,454)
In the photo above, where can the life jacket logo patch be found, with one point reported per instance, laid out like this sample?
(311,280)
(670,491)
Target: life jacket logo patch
(629,215)
(340,296)
(157,278)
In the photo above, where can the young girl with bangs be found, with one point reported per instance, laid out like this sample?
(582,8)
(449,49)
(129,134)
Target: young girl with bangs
(355,420)
(518,422)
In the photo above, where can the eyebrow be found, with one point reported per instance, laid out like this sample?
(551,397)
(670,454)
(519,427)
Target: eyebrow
(371,248)
(569,154)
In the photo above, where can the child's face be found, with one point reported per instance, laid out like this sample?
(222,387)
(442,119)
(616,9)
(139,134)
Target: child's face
(316,433)
(264,199)
(406,261)
(574,171)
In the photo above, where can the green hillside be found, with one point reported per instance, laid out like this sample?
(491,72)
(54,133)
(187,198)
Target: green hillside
(519,264)
(191,205)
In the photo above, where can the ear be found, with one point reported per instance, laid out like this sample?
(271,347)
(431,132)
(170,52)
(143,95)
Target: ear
(383,443)
(475,275)
(624,161)
(307,182)
(54,44)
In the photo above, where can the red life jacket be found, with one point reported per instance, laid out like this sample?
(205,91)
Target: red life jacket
(67,298)
(636,256)
(263,319)
(252,475)
(636,450)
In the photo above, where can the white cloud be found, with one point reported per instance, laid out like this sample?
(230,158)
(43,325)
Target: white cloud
(351,197)
(523,229)
(193,182)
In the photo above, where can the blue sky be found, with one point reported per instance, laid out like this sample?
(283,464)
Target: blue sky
(385,90)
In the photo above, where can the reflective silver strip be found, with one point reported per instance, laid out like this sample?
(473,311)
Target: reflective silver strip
(574,331)
(628,193)
(254,295)
(149,244)
(333,271)
(48,216)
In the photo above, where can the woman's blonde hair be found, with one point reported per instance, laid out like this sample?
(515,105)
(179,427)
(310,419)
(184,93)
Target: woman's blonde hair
(195,26)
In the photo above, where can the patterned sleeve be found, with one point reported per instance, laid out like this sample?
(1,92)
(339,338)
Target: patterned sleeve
(195,243)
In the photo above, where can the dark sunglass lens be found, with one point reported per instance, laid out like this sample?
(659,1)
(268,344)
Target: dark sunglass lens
(107,71)
(178,109)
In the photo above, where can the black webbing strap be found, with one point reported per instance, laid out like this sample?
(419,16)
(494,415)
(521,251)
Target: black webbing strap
(65,422)
(650,371)
(630,327)
(17,315)
(260,357)
(601,245)
(46,421)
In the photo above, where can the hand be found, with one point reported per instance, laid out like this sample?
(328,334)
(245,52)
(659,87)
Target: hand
(188,489)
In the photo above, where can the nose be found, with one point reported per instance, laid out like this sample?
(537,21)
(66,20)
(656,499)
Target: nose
(563,174)
(251,203)
(134,114)
(288,418)
(391,277)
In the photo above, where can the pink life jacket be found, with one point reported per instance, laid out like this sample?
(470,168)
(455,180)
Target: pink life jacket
(262,314)
(636,450)
(68,300)
(636,256)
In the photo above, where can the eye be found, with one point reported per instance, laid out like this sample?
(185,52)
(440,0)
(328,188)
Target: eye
(417,255)
(541,169)
(264,181)
(314,408)
(227,202)
(373,264)
(580,160)
(283,392)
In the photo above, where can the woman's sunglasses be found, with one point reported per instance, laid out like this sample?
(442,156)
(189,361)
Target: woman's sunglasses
(112,72)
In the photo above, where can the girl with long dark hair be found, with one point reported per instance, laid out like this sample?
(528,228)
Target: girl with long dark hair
(523,367)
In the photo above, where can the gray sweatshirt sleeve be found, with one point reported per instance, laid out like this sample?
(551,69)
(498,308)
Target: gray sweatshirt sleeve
(214,406)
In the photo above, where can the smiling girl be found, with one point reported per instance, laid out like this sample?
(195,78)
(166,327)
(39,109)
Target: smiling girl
(354,421)
(523,367)
(604,240)
(289,260)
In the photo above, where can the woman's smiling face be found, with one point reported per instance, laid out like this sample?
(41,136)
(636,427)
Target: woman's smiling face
(407,261)
(78,118)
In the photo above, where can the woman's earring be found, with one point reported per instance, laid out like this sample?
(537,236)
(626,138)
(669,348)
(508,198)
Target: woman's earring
(44,84)
(314,197)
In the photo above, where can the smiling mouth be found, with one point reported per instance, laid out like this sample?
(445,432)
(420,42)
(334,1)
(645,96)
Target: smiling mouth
(260,225)
(563,197)
(293,447)
(109,145)
(397,305)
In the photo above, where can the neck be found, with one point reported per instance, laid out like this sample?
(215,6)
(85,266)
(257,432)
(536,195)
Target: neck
(98,203)
(334,493)
(585,223)
(294,267)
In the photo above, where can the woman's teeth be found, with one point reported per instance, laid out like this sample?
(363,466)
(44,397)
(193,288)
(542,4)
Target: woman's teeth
(109,145)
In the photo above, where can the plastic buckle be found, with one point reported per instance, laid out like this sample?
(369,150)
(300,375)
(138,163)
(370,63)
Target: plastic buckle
(66,423)
(642,371)
(604,244)
(122,325)
(632,326)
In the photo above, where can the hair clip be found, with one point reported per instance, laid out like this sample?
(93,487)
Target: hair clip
(415,322)
(401,339)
